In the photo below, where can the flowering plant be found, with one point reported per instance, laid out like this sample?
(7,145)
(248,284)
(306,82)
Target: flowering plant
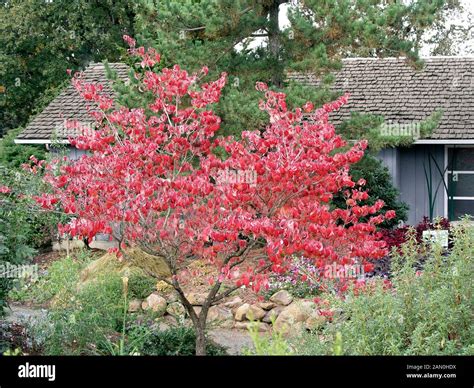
(150,178)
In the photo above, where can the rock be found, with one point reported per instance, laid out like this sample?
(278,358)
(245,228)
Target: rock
(144,305)
(219,314)
(196,299)
(291,315)
(272,315)
(262,327)
(172,297)
(160,326)
(282,298)
(234,302)
(255,313)
(197,310)
(266,305)
(176,310)
(171,321)
(241,312)
(315,321)
(134,305)
(156,303)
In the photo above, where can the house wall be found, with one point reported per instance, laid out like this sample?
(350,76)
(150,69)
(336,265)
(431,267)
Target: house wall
(74,153)
(407,166)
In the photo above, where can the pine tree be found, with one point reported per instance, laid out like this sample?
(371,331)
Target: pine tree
(245,39)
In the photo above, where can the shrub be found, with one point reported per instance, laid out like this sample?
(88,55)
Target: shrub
(84,318)
(176,341)
(140,286)
(397,236)
(264,345)
(59,284)
(13,155)
(426,312)
(379,185)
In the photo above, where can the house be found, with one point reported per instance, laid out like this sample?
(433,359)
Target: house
(435,175)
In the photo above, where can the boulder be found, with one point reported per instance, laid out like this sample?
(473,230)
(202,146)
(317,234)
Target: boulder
(171,321)
(241,312)
(315,321)
(136,262)
(156,303)
(221,317)
(195,298)
(262,327)
(219,314)
(255,313)
(282,298)
(134,305)
(291,315)
(266,305)
(176,310)
(234,302)
(272,315)
(171,297)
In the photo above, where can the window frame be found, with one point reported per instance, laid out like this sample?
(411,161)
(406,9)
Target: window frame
(446,178)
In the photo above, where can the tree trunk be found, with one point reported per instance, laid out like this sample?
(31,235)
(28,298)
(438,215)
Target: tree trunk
(274,44)
(200,339)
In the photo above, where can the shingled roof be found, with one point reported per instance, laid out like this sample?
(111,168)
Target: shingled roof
(69,105)
(391,88)
(387,87)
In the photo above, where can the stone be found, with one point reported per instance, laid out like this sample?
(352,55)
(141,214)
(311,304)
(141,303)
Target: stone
(282,298)
(171,321)
(219,314)
(234,302)
(292,314)
(315,321)
(171,297)
(272,315)
(262,327)
(134,305)
(195,298)
(176,310)
(266,305)
(156,303)
(255,313)
(160,326)
(241,312)
(197,309)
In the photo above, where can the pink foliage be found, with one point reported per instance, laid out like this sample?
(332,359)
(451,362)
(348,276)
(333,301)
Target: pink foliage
(153,179)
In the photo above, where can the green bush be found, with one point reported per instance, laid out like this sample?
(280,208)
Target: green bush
(140,286)
(427,312)
(13,155)
(176,341)
(379,185)
(81,319)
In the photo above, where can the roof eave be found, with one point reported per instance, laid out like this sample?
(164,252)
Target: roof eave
(444,141)
(40,141)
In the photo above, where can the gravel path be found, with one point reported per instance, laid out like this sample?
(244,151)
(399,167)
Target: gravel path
(235,341)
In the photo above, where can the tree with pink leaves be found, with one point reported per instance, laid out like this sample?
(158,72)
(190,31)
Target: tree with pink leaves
(158,178)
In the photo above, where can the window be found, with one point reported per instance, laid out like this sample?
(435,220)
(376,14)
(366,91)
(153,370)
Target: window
(460,181)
